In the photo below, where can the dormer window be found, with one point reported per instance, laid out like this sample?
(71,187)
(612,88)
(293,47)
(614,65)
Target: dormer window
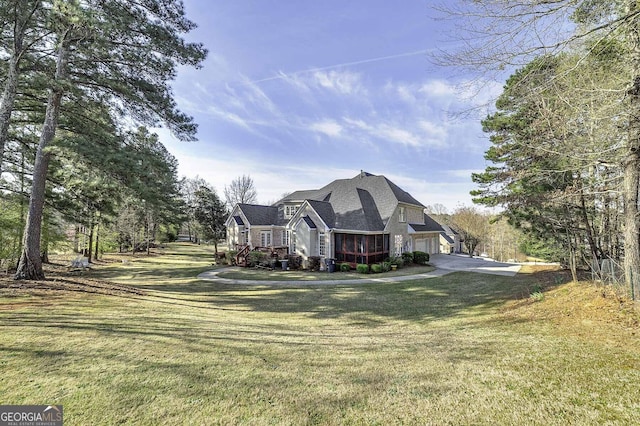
(289,211)
(402,215)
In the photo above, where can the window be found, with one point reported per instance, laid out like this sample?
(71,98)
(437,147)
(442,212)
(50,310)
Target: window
(284,237)
(293,242)
(289,211)
(265,238)
(321,244)
(398,245)
(402,215)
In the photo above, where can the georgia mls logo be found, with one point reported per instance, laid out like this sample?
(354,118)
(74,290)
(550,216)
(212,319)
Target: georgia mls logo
(30,415)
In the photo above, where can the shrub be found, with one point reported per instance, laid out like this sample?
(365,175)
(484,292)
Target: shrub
(345,267)
(376,268)
(397,261)
(407,258)
(314,263)
(255,258)
(386,266)
(295,262)
(362,268)
(420,257)
(230,257)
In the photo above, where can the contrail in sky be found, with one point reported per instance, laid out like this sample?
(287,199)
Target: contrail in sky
(345,64)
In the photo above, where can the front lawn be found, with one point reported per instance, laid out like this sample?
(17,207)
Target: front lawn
(461,349)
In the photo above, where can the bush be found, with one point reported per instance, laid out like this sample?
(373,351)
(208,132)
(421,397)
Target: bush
(397,261)
(376,268)
(362,268)
(255,258)
(386,266)
(345,267)
(314,263)
(407,258)
(420,257)
(295,262)
(230,257)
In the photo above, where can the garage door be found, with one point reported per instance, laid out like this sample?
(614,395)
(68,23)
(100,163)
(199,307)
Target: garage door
(421,245)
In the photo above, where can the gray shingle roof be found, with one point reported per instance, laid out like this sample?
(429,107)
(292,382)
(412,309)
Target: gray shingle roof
(325,211)
(446,237)
(309,222)
(238,220)
(362,203)
(260,215)
(430,225)
(449,230)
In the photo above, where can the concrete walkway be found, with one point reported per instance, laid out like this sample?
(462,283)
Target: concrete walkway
(213,276)
(445,264)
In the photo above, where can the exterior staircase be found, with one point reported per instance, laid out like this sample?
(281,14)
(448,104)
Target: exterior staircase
(241,256)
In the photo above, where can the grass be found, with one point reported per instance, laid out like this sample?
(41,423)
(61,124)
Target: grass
(462,349)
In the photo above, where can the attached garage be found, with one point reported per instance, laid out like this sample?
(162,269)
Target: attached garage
(421,245)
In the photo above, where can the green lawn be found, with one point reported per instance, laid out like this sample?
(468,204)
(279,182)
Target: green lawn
(453,350)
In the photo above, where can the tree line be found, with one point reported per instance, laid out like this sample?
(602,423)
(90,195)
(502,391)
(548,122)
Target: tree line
(81,81)
(565,153)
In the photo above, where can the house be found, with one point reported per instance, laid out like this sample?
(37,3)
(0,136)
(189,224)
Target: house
(365,219)
(450,240)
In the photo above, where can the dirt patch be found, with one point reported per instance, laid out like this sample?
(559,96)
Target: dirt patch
(60,280)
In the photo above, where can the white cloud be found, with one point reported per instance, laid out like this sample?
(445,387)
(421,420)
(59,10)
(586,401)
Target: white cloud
(397,135)
(438,88)
(462,173)
(436,131)
(341,82)
(228,116)
(329,127)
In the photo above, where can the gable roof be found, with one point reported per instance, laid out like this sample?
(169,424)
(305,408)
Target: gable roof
(309,222)
(259,215)
(449,230)
(325,211)
(447,238)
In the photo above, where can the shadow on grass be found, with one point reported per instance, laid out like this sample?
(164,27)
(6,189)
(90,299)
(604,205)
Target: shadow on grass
(455,294)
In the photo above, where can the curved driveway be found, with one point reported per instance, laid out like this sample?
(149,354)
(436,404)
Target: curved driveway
(444,264)
(456,262)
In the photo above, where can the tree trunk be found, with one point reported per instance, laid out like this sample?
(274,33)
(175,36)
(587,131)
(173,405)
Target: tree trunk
(148,232)
(30,265)
(95,256)
(90,248)
(631,165)
(631,228)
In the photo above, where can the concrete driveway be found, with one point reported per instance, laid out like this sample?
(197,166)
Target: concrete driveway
(455,262)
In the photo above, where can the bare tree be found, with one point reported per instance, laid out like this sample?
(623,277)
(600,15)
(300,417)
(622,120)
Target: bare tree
(471,225)
(437,209)
(242,190)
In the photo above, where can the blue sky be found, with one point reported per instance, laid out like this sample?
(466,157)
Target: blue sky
(299,93)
